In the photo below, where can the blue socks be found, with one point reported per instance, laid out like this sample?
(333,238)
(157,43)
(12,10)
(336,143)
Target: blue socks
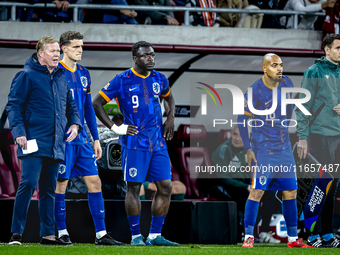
(328,237)
(157,224)
(134,224)
(251,210)
(60,211)
(312,238)
(96,205)
(289,211)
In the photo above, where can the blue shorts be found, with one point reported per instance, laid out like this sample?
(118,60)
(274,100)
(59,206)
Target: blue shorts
(79,161)
(141,166)
(274,172)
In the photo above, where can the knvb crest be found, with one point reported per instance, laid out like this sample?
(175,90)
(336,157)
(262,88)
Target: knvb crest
(83,81)
(62,169)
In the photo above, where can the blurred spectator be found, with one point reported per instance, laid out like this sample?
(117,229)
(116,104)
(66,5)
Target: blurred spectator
(234,185)
(179,16)
(110,16)
(251,20)
(209,18)
(239,19)
(155,17)
(306,22)
(230,19)
(22,13)
(269,21)
(60,13)
(195,18)
(331,21)
(120,16)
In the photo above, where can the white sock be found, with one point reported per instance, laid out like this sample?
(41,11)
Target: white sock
(247,236)
(292,238)
(100,234)
(154,235)
(135,236)
(62,232)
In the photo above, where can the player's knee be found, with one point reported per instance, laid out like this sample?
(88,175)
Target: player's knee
(93,183)
(256,194)
(61,186)
(178,188)
(164,188)
(288,194)
(133,189)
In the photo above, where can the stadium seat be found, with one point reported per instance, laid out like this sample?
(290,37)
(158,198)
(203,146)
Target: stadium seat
(193,157)
(174,174)
(3,195)
(6,179)
(16,162)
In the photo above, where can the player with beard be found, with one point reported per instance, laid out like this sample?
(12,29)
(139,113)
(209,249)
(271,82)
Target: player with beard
(269,148)
(144,151)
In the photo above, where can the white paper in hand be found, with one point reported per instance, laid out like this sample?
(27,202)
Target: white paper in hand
(32,146)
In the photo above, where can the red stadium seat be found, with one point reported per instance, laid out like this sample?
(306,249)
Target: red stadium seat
(174,174)
(6,179)
(3,195)
(16,162)
(193,157)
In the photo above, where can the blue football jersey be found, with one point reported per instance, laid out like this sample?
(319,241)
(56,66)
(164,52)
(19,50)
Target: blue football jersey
(137,97)
(273,135)
(79,81)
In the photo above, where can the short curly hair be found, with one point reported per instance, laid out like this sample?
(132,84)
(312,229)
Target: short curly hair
(67,37)
(139,44)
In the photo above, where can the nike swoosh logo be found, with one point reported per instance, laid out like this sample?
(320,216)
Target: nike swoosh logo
(268,102)
(133,88)
(133,225)
(102,211)
(62,209)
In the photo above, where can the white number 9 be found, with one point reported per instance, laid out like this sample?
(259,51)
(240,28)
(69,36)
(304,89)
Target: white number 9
(135,101)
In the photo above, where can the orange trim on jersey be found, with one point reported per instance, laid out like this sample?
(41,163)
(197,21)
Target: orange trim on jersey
(247,113)
(117,103)
(139,75)
(253,178)
(167,94)
(88,93)
(265,83)
(105,96)
(64,65)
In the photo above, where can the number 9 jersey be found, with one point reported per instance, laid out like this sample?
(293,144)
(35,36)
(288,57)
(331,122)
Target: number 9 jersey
(137,97)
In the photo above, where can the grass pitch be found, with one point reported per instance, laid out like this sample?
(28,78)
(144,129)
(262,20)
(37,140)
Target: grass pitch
(92,249)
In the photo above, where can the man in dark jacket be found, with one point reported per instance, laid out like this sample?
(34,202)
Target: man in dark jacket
(40,107)
(323,135)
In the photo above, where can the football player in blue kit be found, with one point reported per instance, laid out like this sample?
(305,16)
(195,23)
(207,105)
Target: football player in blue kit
(80,157)
(270,153)
(143,137)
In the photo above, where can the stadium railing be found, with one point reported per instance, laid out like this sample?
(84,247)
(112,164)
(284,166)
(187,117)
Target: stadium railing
(186,10)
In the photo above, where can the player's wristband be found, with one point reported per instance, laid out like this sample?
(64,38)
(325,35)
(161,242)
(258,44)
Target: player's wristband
(120,130)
